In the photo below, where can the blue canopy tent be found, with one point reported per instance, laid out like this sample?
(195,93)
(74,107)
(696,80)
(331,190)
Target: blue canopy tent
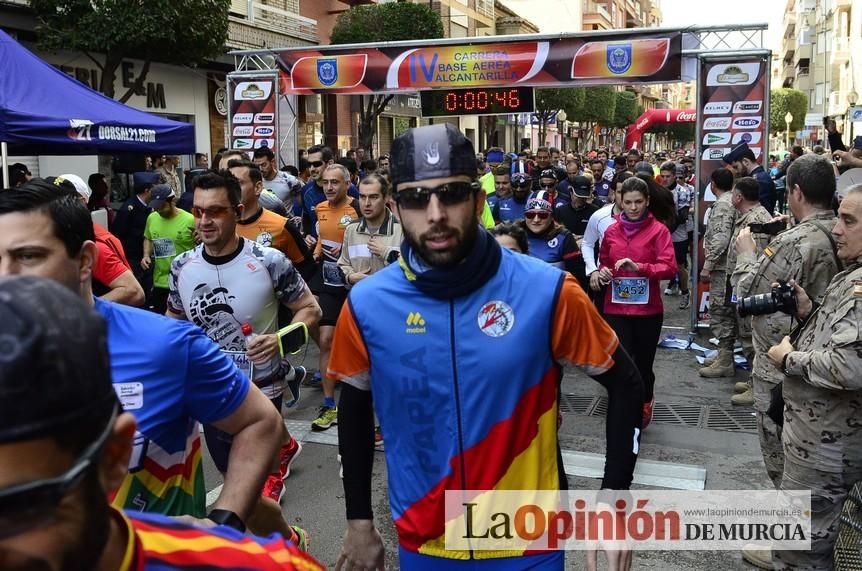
(43,111)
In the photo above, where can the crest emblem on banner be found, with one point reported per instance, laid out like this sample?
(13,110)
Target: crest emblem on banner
(327,71)
(619,58)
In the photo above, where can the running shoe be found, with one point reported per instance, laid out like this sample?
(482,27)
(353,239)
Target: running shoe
(314,381)
(686,300)
(299,374)
(287,455)
(326,417)
(273,488)
(303,539)
(647,414)
(378,436)
(672,289)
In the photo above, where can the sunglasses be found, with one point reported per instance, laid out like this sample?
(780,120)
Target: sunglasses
(27,506)
(316,164)
(212,211)
(540,214)
(447,194)
(548,185)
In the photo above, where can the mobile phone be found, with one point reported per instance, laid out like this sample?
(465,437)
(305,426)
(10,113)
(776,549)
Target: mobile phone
(292,339)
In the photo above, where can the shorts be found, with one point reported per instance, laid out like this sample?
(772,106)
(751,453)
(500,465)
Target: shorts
(331,300)
(219,442)
(681,251)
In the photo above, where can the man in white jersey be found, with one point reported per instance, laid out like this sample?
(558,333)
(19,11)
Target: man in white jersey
(227,284)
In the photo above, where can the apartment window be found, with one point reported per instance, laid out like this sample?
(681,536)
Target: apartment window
(821,43)
(457,30)
(818,94)
(313,104)
(810,99)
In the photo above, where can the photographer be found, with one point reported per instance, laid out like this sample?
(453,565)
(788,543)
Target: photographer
(804,253)
(823,392)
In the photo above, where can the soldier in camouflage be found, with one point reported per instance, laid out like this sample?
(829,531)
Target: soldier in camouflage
(803,253)
(722,316)
(747,203)
(823,393)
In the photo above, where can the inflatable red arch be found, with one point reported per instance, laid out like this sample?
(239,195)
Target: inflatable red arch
(651,117)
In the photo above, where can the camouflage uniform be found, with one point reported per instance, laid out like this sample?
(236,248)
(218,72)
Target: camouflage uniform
(722,317)
(823,413)
(757,215)
(802,253)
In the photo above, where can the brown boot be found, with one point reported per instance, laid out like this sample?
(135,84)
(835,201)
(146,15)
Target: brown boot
(744,399)
(708,361)
(740,387)
(722,366)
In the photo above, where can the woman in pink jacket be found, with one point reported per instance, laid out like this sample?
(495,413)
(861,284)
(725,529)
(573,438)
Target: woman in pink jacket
(635,255)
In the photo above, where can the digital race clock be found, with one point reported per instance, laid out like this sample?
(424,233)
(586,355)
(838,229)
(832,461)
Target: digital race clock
(478,101)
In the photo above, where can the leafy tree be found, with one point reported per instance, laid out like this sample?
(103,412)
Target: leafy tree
(550,101)
(626,110)
(389,22)
(598,107)
(780,102)
(172,31)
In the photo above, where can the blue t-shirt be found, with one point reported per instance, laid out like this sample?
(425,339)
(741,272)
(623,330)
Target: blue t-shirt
(508,209)
(312,195)
(168,374)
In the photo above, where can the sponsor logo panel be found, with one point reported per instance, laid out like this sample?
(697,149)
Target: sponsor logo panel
(718,108)
(264,117)
(242,118)
(243,131)
(716,123)
(716,139)
(747,122)
(741,107)
(715,153)
(733,74)
(751,138)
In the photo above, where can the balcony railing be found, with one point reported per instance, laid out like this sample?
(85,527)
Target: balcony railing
(274,20)
(485,8)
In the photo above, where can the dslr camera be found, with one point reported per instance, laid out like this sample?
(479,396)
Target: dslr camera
(781,298)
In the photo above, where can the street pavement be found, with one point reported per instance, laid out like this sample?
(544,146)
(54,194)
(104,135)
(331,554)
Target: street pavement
(731,455)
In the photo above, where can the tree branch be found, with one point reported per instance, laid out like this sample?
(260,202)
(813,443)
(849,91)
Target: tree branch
(139,82)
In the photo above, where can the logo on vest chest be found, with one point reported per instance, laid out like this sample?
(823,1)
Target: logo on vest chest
(415,322)
(496,318)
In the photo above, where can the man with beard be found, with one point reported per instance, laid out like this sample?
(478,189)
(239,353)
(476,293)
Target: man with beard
(743,162)
(65,445)
(431,336)
(512,207)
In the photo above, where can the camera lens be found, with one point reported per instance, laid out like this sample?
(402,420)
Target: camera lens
(761,304)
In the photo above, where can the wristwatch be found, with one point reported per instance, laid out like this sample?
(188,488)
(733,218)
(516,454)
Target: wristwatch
(784,364)
(228,518)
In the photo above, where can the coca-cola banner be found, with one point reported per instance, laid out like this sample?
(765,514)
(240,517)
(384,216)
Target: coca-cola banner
(622,59)
(733,108)
(651,117)
(252,116)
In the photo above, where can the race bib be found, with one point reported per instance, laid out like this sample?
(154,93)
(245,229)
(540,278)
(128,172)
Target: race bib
(242,362)
(164,248)
(631,291)
(332,275)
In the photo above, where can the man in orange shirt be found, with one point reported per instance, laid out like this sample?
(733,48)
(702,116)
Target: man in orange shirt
(265,226)
(333,216)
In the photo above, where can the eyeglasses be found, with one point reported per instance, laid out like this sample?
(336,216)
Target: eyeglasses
(548,185)
(316,164)
(212,211)
(26,506)
(540,214)
(448,194)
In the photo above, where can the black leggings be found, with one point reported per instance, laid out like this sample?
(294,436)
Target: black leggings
(639,337)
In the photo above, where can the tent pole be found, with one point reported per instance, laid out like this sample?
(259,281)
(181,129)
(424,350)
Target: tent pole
(4,151)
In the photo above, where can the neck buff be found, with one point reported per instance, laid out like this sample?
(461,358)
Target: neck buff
(468,276)
(632,227)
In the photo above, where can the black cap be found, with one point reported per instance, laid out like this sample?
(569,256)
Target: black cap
(644,167)
(548,173)
(581,186)
(54,366)
(435,151)
(160,194)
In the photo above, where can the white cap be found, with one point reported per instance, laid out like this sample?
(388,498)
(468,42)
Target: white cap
(79,185)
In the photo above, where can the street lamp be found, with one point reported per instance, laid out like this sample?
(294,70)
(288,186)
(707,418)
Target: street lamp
(561,128)
(852,98)
(788,118)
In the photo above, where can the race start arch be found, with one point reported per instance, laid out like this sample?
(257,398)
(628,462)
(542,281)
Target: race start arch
(729,63)
(634,132)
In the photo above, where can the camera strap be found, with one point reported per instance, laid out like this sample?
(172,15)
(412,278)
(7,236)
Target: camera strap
(828,234)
